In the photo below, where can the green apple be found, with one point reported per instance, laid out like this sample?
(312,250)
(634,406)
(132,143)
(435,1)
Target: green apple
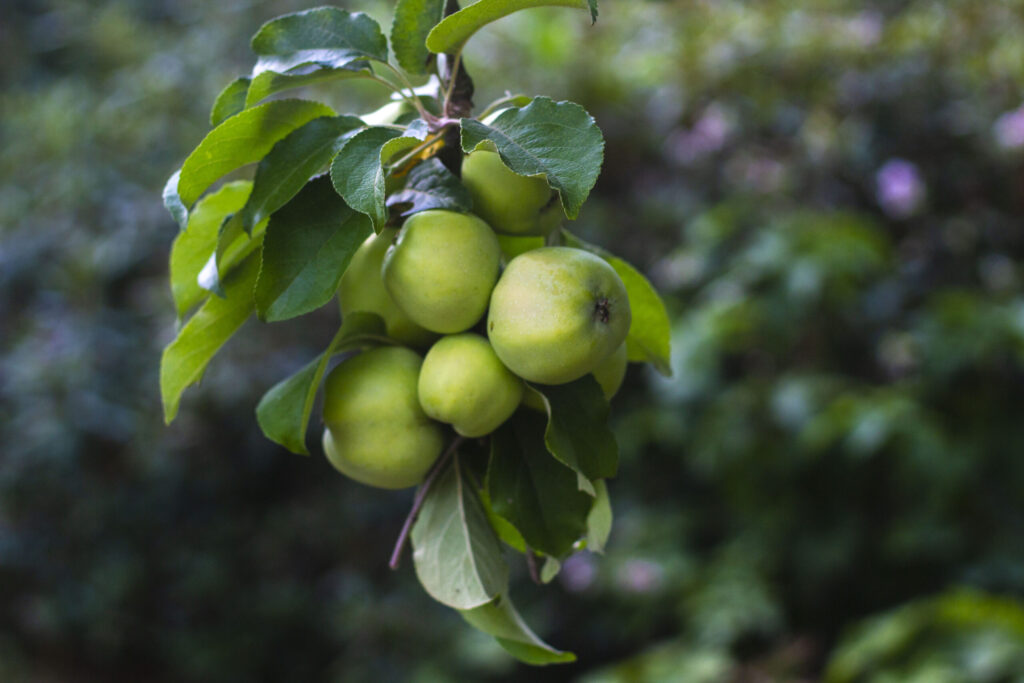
(463,383)
(510,203)
(362,289)
(376,432)
(442,268)
(556,314)
(609,373)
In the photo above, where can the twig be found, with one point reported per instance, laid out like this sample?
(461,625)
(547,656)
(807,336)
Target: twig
(417,502)
(531,565)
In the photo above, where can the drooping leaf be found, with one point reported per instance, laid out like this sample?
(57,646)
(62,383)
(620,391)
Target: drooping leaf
(537,494)
(294,160)
(456,553)
(649,335)
(500,619)
(430,185)
(358,174)
(173,203)
(185,359)
(283,412)
(308,245)
(338,34)
(413,21)
(557,139)
(577,432)
(242,139)
(451,34)
(193,246)
(233,246)
(230,101)
(599,521)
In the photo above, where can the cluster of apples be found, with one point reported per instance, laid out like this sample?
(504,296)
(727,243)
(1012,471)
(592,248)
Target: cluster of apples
(552,315)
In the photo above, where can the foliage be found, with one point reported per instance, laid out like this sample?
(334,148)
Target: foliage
(839,437)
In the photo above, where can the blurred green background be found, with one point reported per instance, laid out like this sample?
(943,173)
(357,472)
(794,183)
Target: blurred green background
(830,196)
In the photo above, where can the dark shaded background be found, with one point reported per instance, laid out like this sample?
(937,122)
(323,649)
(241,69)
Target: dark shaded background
(830,196)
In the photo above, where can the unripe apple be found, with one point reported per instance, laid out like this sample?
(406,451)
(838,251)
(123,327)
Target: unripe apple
(510,203)
(463,383)
(556,313)
(362,289)
(376,432)
(442,268)
(609,374)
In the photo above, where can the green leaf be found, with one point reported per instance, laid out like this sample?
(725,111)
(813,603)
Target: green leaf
(308,245)
(185,358)
(599,521)
(242,139)
(274,74)
(577,432)
(557,139)
(173,203)
(550,569)
(649,335)
(358,174)
(283,412)
(233,246)
(450,35)
(501,620)
(294,160)
(413,21)
(230,101)
(430,185)
(457,555)
(507,533)
(537,494)
(334,33)
(193,246)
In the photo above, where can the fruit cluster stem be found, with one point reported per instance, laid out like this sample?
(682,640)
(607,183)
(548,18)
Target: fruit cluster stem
(417,501)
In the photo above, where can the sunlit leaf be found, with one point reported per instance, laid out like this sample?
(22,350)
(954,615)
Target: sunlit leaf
(412,23)
(185,359)
(230,101)
(242,139)
(451,34)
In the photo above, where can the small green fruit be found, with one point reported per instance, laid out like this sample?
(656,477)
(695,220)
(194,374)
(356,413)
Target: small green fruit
(510,203)
(609,374)
(442,268)
(556,313)
(463,383)
(376,431)
(362,289)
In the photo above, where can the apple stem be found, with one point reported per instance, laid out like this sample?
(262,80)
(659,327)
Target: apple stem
(417,502)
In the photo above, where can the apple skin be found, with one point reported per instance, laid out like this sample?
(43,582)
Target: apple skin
(609,374)
(510,203)
(376,432)
(362,289)
(442,268)
(556,314)
(462,382)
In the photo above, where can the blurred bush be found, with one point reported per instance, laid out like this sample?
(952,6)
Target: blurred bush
(829,194)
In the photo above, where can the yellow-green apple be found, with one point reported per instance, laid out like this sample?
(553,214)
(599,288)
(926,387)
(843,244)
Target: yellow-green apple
(442,268)
(376,432)
(556,314)
(362,289)
(463,383)
(510,203)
